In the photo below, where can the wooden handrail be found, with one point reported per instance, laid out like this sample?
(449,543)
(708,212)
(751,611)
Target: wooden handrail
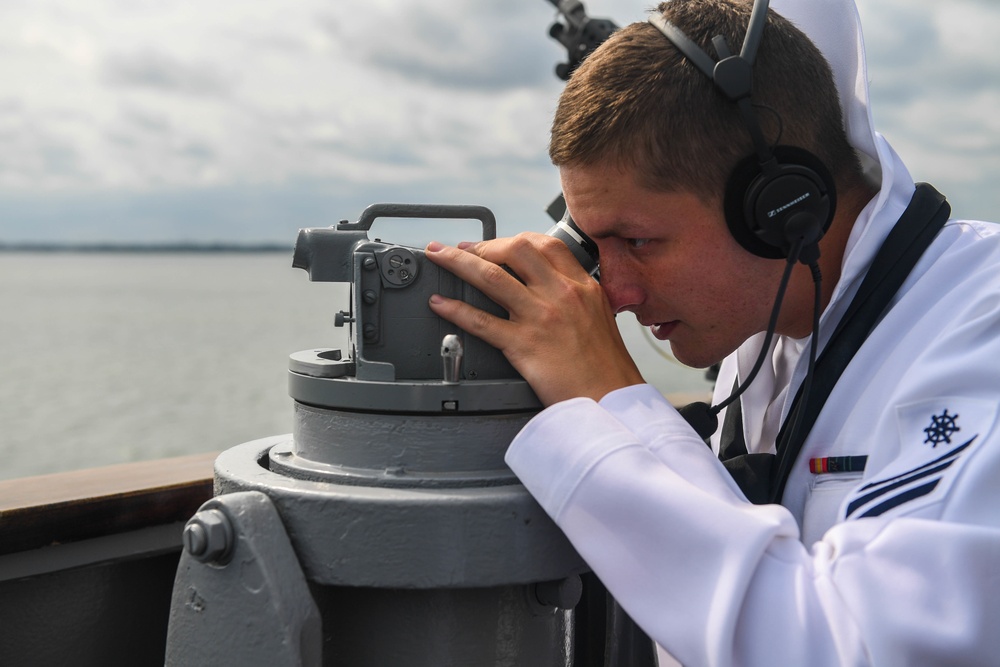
(82,504)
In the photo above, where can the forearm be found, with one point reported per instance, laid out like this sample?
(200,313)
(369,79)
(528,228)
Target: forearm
(718,581)
(678,553)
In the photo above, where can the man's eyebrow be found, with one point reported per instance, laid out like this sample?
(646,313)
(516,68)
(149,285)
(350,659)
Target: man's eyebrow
(615,229)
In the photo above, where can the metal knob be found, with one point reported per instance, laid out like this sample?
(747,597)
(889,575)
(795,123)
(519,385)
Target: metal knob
(451,355)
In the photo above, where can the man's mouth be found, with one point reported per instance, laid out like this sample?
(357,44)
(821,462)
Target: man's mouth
(662,330)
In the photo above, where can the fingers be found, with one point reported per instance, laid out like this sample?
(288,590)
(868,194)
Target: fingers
(484,275)
(531,256)
(490,328)
(488,278)
(558,315)
(543,268)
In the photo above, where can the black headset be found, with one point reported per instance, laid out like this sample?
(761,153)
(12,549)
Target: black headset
(780,198)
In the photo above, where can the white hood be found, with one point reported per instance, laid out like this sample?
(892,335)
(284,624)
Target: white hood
(835,27)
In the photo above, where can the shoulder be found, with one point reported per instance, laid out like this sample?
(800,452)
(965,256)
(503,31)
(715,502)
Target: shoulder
(961,269)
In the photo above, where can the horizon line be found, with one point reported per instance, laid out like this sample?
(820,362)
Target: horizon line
(160,246)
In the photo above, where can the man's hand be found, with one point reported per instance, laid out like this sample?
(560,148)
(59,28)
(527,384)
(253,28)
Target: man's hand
(561,335)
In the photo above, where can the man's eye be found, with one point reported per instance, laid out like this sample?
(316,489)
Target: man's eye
(637,243)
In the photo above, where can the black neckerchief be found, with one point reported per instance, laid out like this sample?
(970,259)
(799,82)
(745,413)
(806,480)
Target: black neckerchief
(762,477)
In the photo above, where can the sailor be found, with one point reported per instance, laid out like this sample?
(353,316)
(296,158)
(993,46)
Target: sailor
(868,440)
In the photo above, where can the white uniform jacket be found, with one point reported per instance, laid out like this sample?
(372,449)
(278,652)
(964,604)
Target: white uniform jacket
(898,565)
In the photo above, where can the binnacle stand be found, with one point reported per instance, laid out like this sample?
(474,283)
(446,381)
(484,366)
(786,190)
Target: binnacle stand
(386,528)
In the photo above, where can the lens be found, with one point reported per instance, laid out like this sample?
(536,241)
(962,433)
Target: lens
(581,245)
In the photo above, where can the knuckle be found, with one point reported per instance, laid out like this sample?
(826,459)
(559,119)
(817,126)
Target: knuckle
(550,242)
(481,321)
(521,243)
(567,291)
(495,274)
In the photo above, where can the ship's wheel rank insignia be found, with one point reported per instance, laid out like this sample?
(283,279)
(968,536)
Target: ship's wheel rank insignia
(942,427)
(934,447)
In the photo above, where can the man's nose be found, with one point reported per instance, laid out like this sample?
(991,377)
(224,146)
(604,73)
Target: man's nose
(623,292)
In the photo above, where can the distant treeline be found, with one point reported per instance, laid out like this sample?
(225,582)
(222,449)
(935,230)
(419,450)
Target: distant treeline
(145,247)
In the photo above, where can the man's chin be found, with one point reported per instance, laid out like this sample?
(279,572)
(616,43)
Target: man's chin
(694,358)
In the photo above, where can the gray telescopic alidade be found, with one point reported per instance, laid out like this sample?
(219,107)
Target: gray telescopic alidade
(386,529)
(395,363)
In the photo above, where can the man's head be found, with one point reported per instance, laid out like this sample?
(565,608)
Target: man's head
(638,104)
(645,144)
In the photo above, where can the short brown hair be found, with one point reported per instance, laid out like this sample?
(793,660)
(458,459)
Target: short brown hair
(638,103)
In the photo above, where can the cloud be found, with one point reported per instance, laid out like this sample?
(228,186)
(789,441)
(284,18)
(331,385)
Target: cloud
(44,144)
(376,100)
(258,213)
(916,47)
(934,94)
(160,71)
(458,44)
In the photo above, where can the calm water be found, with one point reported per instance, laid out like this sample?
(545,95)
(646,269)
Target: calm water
(108,358)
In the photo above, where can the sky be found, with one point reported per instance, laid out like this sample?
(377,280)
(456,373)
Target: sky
(133,121)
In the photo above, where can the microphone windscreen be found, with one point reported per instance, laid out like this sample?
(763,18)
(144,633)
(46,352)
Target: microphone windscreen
(700,417)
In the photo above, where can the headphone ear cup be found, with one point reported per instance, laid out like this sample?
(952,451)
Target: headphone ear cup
(760,208)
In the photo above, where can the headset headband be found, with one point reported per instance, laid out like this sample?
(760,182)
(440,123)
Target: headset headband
(732,74)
